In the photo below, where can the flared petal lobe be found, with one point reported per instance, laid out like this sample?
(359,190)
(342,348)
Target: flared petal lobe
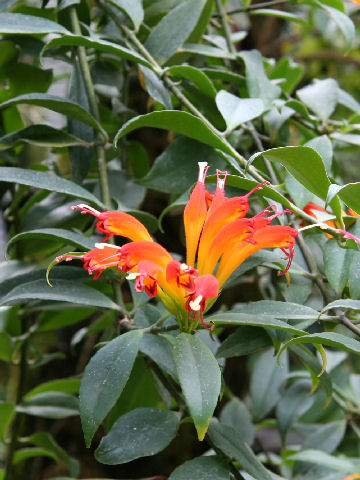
(117,223)
(195,214)
(206,286)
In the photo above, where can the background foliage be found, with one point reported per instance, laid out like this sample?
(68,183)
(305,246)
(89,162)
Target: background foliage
(113,102)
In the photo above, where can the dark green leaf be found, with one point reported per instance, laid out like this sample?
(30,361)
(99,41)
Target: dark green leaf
(46,181)
(321,458)
(235,110)
(236,415)
(133,9)
(289,72)
(6,347)
(200,379)
(202,468)
(140,433)
(349,194)
(341,342)
(159,349)
(97,44)
(41,135)
(64,385)
(347,304)
(57,104)
(28,24)
(226,439)
(66,236)
(104,379)
(62,291)
(266,382)
(326,437)
(26,453)
(7,411)
(198,77)
(244,341)
(337,263)
(180,122)
(173,29)
(50,405)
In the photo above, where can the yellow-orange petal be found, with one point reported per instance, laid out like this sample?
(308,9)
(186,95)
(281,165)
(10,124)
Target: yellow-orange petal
(135,252)
(273,236)
(194,215)
(224,239)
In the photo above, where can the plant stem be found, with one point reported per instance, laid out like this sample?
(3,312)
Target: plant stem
(256,6)
(225,26)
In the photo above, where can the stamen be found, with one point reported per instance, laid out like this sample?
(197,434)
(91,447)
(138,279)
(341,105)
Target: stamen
(195,304)
(183,267)
(203,168)
(67,258)
(102,245)
(277,214)
(289,256)
(258,187)
(133,275)
(220,182)
(86,209)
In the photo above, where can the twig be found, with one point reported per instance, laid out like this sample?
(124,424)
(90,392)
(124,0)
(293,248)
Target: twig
(225,26)
(255,6)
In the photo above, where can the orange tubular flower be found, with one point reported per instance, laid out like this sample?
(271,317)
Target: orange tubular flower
(219,238)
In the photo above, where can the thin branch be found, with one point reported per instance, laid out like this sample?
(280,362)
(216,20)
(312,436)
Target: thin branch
(255,6)
(225,26)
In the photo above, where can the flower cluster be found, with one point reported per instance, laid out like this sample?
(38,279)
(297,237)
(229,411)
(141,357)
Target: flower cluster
(219,237)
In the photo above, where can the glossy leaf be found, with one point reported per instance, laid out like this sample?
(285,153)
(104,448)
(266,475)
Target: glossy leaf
(244,341)
(61,105)
(337,263)
(104,379)
(65,236)
(202,468)
(342,21)
(140,433)
(64,385)
(321,458)
(97,44)
(50,405)
(62,291)
(225,438)
(349,194)
(20,23)
(156,87)
(235,110)
(199,377)
(46,181)
(7,411)
(173,29)
(159,349)
(198,77)
(331,339)
(180,122)
(345,303)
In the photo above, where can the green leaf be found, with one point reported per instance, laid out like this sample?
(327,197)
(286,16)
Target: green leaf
(140,433)
(6,348)
(326,437)
(7,411)
(105,378)
(321,97)
(176,168)
(342,20)
(324,148)
(349,194)
(199,377)
(62,291)
(133,9)
(97,44)
(341,342)
(180,122)
(321,458)
(26,453)
(272,12)
(41,135)
(64,385)
(46,181)
(236,415)
(198,77)
(289,72)
(50,405)
(266,382)
(28,24)
(61,105)
(159,349)
(202,468)
(156,88)
(243,341)
(266,321)
(350,138)
(206,50)
(337,262)
(226,439)
(236,111)
(66,236)
(173,29)
(347,304)
(258,84)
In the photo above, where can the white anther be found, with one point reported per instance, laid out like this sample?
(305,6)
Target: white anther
(183,267)
(87,207)
(202,171)
(132,276)
(101,246)
(195,305)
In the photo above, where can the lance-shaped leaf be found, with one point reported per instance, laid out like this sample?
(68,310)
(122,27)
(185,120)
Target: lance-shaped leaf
(28,24)
(202,468)
(200,379)
(46,181)
(105,378)
(133,9)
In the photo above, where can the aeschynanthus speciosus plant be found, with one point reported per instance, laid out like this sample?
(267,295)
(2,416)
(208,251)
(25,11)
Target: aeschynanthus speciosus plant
(219,238)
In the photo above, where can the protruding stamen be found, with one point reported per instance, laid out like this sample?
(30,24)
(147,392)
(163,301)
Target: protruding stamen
(195,304)
(203,168)
(277,214)
(183,267)
(102,245)
(258,187)
(289,257)
(86,209)
(221,179)
(133,276)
